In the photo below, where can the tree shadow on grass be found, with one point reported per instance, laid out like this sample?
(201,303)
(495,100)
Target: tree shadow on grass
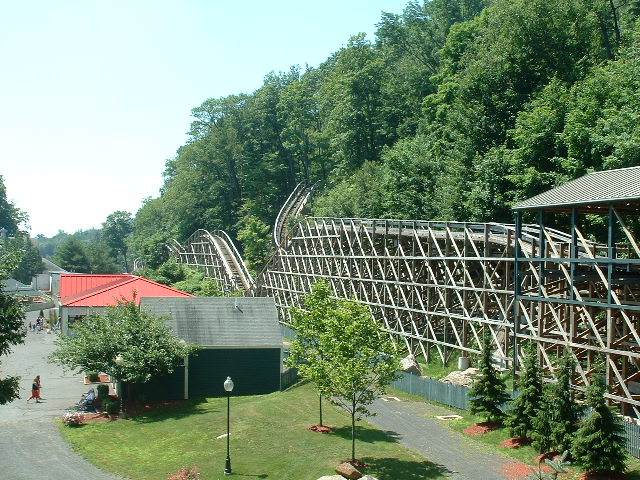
(185,409)
(249,475)
(404,469)
(367,434)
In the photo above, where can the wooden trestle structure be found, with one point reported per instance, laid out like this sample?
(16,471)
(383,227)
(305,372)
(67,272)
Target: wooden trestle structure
(438,287)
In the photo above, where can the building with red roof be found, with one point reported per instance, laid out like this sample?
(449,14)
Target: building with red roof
(83,294)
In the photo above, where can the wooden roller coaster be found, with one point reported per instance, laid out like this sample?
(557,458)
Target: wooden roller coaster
(438,287)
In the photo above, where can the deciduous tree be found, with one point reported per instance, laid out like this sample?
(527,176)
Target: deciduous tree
(358,361)
(12,329)
(116,230)
(147,345)
(310,323)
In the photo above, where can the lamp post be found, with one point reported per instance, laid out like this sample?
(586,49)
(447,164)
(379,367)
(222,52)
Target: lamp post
(228,387)
(119,361)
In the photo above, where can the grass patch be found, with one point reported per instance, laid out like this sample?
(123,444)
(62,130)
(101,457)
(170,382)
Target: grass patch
(269,440)
(434,368)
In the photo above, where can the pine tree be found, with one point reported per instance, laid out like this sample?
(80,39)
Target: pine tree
(557,419)
(528,402)
(489,391)
(599,443)
(542,423)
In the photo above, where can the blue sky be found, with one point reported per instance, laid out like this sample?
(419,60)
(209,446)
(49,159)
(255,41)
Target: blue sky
(95,96)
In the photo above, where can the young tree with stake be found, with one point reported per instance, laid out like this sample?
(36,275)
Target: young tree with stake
(358,361)
(310,324)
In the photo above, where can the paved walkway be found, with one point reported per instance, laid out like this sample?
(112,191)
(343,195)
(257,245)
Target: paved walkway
(416,427)
(30,444)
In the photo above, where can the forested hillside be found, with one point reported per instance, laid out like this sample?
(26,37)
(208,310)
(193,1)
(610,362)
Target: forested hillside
(455,111)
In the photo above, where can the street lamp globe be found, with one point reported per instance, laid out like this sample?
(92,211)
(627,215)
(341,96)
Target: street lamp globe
(228,385)
(119,361)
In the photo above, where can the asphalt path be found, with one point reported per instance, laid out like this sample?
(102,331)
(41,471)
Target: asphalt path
(414,424)
(30,443)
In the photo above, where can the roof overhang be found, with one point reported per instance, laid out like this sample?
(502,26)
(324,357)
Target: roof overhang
(591,193)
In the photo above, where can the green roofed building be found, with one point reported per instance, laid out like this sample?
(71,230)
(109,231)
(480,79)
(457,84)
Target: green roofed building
(239,337)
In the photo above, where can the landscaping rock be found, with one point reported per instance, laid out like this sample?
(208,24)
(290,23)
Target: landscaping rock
(464,377)
(332,477)
(348,471)
(368,477)
(410,365)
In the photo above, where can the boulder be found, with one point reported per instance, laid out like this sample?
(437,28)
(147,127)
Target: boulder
(410,365)
(332,477)
(348,471)
(368,477)
(464,377)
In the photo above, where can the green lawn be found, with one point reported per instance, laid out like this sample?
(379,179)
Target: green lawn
(269,440)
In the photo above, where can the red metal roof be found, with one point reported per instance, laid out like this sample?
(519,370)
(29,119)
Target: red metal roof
(127,288)
(74,283)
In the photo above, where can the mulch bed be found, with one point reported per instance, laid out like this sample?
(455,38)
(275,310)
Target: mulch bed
(357,464)
(132,410)
(603,476)
(320,429)
(516,471)
(515,442)
(481,428)
(99,417)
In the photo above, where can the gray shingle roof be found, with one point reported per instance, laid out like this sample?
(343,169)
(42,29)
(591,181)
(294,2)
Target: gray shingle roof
(607,186)
(220,321)
(49,266)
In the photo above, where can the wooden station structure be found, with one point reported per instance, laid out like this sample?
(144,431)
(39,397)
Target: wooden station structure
(582,294)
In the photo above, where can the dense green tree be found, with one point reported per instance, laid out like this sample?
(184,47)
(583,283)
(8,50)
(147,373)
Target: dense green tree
(351,105)
(488,393)
(148,347)
(599,442)
(12,331)
(152,232)
(116,230)
(528,402)
(99,258)
(254,236)
(71,256)
(557,419)
(11,217)
(360,195)
(30,263)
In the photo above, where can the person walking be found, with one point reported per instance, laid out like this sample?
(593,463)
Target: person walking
(35,390)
